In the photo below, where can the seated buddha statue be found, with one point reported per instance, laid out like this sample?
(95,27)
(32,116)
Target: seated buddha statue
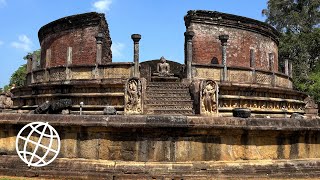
(163,68)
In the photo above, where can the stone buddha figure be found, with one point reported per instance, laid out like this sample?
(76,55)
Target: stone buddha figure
(163,68)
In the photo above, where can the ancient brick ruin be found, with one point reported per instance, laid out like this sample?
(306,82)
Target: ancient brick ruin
(163,119)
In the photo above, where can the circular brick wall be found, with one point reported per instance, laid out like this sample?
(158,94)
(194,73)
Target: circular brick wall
(76,36)
(244,34)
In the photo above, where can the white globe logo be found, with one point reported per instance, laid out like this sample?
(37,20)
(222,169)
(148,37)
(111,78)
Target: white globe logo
(40,145)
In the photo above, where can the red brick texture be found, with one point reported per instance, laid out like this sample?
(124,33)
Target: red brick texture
(78,32)
(243,36)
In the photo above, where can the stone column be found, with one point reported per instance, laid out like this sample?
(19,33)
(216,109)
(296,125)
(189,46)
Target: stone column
(188,39)
(271,62)
(136,38)
(271,68)
(34,62)
(34,66)
(29,63)
(253,65)
(286,67)
(99,41)
(224,39)
(69,62)
(47,65)
(290,68)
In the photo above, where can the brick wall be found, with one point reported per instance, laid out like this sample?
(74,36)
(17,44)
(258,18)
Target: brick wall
(77,32)
(244,34)
(207,46)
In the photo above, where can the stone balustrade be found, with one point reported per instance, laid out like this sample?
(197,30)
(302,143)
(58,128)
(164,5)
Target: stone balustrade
(242,75)
(83,72)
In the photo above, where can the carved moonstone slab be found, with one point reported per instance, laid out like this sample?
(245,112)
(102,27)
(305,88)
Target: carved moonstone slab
(209,98)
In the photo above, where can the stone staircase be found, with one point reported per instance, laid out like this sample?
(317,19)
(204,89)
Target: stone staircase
(168,98)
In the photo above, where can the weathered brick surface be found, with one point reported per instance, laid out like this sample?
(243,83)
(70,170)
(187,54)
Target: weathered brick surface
(244,34)
(78,32)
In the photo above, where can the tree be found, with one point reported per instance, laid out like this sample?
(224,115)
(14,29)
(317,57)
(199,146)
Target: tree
(299,24)
(19,76)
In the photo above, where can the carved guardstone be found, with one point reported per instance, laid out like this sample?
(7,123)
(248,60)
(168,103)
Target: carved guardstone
(209,98)
(133,96)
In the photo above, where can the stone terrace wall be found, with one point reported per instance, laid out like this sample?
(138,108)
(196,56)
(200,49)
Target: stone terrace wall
(244,34)
(77,32)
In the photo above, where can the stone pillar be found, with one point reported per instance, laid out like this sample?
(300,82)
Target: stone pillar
(286,67)
(271,62)
(253,65)
(188,39)
(48,58)
(99,41)
(224,39)
(69,62)
(271,68)
(34,62)
(290,68)
(29,63)
(136,38)
(252,59)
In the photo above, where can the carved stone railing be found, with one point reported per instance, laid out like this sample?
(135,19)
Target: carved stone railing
(80,72)
(242,75)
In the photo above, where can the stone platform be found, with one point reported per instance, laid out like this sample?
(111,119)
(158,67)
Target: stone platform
(183,147)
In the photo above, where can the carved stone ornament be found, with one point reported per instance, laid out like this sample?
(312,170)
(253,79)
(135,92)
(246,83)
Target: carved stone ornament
(209,98)
(310,103)
(133,96)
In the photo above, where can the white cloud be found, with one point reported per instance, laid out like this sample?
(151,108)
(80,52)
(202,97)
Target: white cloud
(24,43)
(116,49)
(3,2)
(102,5)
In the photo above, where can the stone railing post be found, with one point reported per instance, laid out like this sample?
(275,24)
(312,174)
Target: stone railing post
(224,39)
(188,38)
(136,38)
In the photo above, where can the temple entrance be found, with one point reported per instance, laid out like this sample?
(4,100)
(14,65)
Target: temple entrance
(165,93)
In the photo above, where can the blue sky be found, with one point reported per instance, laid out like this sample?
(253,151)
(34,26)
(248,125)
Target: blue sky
(160,22)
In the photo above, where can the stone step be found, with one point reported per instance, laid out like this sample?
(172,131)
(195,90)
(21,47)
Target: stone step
(181,102)
(169,98)
(180,90)
(172,112)
(169,94)
(168,85)
(169,107)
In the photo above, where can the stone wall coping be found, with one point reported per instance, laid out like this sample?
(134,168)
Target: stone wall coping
(233,21)
(166,121)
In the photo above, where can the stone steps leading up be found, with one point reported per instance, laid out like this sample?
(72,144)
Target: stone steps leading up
(168,98)
(171,112)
